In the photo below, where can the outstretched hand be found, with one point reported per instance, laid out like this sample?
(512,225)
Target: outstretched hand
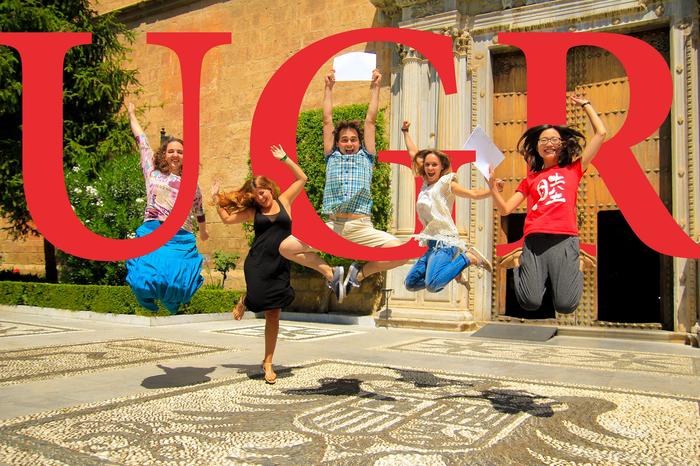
(493,182)
(406,124)
(130,108)
(278,152)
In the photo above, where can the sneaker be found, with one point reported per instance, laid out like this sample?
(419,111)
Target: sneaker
(481,261)
(351,280)
(336,284)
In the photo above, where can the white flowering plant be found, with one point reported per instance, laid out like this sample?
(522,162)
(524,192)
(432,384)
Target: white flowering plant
(110,202)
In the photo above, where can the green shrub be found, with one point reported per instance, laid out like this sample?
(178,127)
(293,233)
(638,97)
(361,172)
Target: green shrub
(106,299)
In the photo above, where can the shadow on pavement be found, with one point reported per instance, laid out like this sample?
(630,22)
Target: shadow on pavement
(178,377)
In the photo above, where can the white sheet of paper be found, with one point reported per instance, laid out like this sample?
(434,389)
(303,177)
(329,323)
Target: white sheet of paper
(486,151)
(354,66)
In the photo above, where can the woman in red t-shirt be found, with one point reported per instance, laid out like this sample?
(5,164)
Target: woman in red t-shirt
(557,156)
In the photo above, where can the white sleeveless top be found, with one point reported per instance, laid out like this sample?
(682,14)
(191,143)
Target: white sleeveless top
(434,209)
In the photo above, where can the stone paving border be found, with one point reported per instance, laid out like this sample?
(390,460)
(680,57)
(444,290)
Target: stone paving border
(288,332)
(20,329)
(554,355)
(31,364)
(344,412)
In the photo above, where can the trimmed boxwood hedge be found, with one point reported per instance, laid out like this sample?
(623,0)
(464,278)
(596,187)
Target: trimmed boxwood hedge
(107,299)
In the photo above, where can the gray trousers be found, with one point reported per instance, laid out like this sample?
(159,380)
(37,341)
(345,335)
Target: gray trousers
(549,256)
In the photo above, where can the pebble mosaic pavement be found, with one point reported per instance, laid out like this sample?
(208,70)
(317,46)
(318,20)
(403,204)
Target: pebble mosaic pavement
(592,358)
(343,412)
(288,332)
(18,329)
(55,361)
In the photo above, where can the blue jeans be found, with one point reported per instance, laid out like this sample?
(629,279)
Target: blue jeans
(436,268)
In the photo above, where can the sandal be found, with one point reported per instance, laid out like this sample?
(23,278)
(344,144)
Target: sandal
(511,260)
(268,373)
(239,310)
(481,261)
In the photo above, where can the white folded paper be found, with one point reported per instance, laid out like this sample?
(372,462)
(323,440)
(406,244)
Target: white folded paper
(486,151)
(354,66)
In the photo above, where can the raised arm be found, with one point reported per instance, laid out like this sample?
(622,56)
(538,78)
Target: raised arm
(328,125)
(599,132)
(461,191)
(410,145)
(238,217)
(504,207)
(145,151)
(297,186)
(136,129)
(370,128)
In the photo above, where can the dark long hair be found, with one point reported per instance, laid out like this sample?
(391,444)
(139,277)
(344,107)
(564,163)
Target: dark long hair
(572,145)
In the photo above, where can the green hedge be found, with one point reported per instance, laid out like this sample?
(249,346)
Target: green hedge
(112,299)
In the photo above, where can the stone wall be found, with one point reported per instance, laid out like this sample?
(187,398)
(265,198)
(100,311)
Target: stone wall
(264,35)
(313,295)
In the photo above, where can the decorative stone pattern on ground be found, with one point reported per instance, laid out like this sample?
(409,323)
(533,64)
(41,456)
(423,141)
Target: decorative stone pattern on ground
(18,329)
(592,358)
(346,413)
(55,361)
(288,332)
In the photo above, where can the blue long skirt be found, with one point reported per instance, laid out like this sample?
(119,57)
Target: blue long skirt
(171,273)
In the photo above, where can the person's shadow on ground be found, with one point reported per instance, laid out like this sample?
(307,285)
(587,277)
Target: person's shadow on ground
(178,377)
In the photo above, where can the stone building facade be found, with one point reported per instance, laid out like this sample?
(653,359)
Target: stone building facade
(491,92)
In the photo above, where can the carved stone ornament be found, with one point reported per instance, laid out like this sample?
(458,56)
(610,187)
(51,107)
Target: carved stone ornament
(659,10)
(407,53)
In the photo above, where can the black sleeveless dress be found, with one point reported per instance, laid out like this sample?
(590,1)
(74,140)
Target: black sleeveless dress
(266,271)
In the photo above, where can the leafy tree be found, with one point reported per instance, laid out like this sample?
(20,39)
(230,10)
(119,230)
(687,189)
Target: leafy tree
(96,136)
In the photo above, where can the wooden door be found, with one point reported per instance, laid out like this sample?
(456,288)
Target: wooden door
(597,75)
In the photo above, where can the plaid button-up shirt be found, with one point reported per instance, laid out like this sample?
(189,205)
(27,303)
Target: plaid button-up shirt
(348,183)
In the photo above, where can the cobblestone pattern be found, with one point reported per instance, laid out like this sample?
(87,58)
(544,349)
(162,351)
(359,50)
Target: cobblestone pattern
(346,413)
(18,329)
(598,359)
(55,361)
(288,332)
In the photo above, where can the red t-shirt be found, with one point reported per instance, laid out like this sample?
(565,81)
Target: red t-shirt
(551,199)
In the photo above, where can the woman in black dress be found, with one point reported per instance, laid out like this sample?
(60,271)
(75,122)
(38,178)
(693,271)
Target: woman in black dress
(266,271)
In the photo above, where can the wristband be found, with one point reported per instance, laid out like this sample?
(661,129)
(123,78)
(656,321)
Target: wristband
(584,104)
(284,158)
(404,130)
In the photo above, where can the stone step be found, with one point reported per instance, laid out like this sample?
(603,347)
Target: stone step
(427,324)
(428,319)
(425,314)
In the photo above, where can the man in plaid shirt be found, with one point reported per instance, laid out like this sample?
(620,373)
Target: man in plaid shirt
(347,198)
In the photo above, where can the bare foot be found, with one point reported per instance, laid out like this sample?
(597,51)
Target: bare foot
(239,310)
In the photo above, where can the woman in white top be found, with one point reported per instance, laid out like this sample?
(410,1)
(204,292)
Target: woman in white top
(447,255)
